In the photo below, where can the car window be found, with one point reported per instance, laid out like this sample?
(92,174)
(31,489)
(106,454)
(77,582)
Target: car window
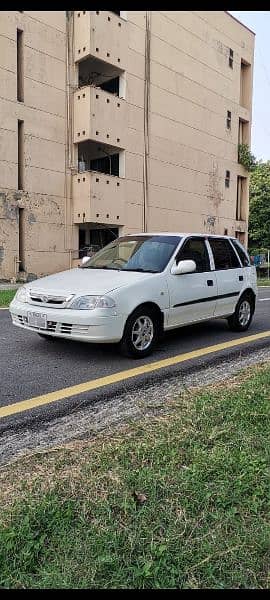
(149,253)
(195,249)
(242,253)
(152,255)
(224,255)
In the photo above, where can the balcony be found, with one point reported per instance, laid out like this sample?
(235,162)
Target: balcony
(99,116)
(101,34)
(240,225)
(244,113)
(98,198)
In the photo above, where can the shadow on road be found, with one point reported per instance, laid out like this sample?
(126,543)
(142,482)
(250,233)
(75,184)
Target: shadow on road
(189,337)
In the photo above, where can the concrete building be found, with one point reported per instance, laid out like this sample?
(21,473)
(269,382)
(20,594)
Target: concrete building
(117,122)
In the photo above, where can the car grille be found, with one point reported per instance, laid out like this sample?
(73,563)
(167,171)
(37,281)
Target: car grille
(51,326)
(43,299)
(54,327)
(67,328)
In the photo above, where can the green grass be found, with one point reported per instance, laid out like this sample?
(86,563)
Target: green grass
(6,296)
(263,282)
(69,519)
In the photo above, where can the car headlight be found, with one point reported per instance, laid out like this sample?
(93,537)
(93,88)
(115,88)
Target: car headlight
(91,302)
(22,294)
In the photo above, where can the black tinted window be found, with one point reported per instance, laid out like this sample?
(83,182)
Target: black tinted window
(241,252)
(195,249)
(224,255)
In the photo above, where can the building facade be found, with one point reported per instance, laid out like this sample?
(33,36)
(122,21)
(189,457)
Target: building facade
(117,122)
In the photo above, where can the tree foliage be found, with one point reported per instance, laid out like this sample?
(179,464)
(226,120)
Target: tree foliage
(245,157)
(259,215)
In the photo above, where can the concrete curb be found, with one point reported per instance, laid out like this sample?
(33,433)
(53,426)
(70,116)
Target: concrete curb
(9,286)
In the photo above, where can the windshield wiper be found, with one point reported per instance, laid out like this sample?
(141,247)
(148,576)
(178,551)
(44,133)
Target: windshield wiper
(139,270)
(91,267)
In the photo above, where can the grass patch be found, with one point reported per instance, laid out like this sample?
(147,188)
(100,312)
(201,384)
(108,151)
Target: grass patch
(6,296)
(263,282)
(70,518)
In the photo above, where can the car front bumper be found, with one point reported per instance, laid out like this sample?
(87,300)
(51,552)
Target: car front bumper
(79,325)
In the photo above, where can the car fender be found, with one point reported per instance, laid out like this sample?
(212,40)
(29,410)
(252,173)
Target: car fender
(154,290)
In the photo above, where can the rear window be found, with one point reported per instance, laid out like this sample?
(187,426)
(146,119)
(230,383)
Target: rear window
(241,253)
(224,255)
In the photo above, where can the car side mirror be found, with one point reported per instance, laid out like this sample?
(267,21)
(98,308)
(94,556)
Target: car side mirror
(84,260)
(183,267)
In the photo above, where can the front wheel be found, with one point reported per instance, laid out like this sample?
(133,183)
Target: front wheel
(140,334)
(243,314)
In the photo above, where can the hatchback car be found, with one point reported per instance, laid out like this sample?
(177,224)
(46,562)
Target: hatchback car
(139,286)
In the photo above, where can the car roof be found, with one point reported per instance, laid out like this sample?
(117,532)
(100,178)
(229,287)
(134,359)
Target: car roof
(180,234)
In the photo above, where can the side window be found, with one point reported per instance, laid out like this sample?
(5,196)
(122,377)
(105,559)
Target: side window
(224,255)
(195,249)
(241,252)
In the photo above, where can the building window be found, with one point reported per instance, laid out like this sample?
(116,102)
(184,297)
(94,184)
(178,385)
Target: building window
(91,239)
(229,119)
(245,84)
(20,90)
(227,179)
(111,86)
(20,155)
(21,240)
(92,72)
(243,132)
(240,199)
(231,58)
(106,164)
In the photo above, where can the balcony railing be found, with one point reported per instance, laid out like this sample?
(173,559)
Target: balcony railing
(101,34)
(99,116)
(98,198)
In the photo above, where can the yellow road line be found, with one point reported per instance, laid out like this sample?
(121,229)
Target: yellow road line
(74,390)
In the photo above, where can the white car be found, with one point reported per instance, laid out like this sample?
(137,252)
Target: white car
(141,285)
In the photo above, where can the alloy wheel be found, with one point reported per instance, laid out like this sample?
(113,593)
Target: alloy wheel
(142,332)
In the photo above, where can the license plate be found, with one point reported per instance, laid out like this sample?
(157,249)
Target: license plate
(36,319)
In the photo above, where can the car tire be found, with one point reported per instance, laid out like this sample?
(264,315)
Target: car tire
(141,333)
(243,314)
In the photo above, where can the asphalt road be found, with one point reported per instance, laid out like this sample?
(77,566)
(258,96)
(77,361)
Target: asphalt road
(31,366)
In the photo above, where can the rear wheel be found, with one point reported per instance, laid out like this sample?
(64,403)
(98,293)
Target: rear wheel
(140,334)
(242,317)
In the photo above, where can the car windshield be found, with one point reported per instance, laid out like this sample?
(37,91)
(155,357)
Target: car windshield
(146,254)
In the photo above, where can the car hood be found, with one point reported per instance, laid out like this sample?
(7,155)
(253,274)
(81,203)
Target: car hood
(86,281)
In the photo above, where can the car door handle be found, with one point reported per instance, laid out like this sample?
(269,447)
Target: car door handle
(210,282)
(241,278)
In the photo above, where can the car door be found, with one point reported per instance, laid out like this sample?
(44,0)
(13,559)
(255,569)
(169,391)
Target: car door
(229,275)
(249,271)
(192,295)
